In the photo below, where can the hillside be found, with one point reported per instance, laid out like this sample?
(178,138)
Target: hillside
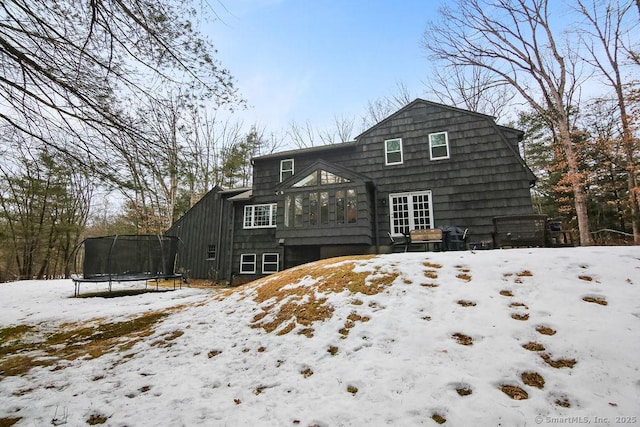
(503,337)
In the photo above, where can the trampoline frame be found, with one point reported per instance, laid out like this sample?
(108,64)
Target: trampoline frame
(109,276)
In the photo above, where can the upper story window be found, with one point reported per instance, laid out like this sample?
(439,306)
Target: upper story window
(286,169)
(393,151)
(260,216)
(320,177)
(439,146)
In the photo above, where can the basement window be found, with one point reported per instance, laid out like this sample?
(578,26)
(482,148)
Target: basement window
(247,264)
(270,263)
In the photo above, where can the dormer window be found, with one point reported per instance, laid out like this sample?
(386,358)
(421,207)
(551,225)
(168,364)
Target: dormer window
(393,151)
(286,169)
(438,146)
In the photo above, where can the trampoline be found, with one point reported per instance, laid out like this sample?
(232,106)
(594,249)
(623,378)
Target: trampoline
(125,258)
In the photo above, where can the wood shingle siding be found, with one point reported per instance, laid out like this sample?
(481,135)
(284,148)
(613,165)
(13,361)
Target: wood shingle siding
(482,177)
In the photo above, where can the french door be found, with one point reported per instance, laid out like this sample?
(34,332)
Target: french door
(410,211)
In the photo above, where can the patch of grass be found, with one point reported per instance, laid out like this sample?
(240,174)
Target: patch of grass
(307,332)
(545,330)
(438,418)
(514,392)
(466,303)
(596,300)
(506,293)
(524,273)
(533,379)
(306,373)
(463,339)
(464,276)
(332,350)
(585,278)
(357,302)
(355,317)
(429,285)
(518,316)
(431,265)
(464,391)
(352,389)
(70,341)
(8,422)
(96,418)
(290,327)
(166,339)
(533,346)
(563,402)
(304,305)
(431,274)
(558,363)
(213,353)
(518,304)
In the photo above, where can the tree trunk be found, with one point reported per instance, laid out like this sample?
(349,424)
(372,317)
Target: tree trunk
(577,184)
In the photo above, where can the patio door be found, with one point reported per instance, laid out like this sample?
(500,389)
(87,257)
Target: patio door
(410,211)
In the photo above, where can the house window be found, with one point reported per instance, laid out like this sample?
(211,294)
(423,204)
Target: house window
(340,207)
(211,252)
(286,169)
(324,207)
(247,264)
(393,151)
(321,177)
(352,206)
(346,206)
(297,210)
(410,211)
(439,146)
(270,263)
(260,216)
(313,208)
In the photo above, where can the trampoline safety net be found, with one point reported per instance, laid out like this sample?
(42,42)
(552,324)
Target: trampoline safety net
(121,258)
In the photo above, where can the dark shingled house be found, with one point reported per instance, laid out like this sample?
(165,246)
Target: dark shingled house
(426,166)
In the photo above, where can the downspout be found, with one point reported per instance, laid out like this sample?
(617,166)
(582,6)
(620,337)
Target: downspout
(375,216)
(233,223)
(219,242)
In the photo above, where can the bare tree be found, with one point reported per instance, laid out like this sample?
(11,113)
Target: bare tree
(473,88)
(514,40)
(68,67)
(603,39)
(341,131)
(302,135)
(381,108)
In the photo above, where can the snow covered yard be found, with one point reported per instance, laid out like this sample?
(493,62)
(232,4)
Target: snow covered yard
(505,337)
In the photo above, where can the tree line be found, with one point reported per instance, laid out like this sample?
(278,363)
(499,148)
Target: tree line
(128,100)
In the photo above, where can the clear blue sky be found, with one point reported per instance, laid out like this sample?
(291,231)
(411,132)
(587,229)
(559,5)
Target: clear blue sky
(312,60)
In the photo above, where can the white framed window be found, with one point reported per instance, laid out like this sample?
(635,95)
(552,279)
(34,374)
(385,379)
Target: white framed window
(393,151)
(260,216)
(410,211)
(247,263)
(439,145)
(211,251)
(286,169)
(270,263)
